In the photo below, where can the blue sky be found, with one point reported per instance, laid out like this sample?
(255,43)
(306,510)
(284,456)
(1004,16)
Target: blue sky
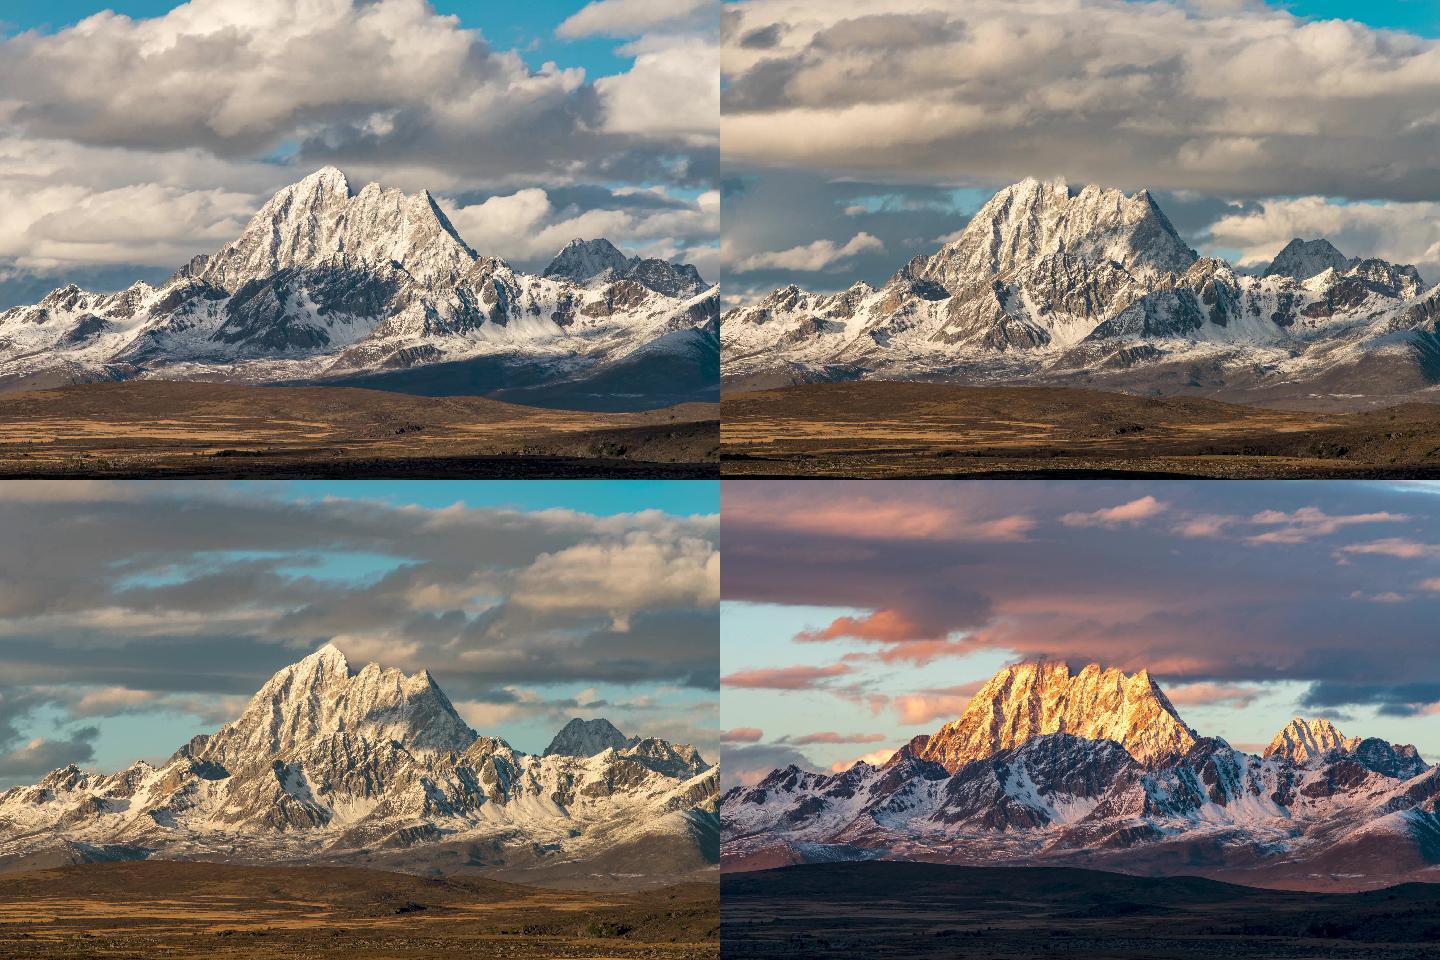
(1415,16)
(158,609)
(601,497)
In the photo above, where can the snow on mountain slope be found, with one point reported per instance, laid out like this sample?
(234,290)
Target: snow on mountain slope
(326,282)
(374,766)
(1127,786)
(1051,284)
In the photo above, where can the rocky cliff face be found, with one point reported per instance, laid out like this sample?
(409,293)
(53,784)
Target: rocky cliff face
(326,283)
(1050,284)
(375,766)
(1034,699)
(1096,768)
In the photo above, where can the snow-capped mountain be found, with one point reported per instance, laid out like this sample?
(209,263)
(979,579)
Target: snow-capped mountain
(329,764)
(1097,769)
(326,284)
(1048,284)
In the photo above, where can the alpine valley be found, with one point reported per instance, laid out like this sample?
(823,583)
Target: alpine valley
(1096,769)
(332,766)
(375,288)
(1050,285)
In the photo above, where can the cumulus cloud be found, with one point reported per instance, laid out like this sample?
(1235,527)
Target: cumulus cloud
(819,255)
(144,141)
(1233,99)
(1401,232)
(170,598)
(527,226)
(627,18)
(40,755)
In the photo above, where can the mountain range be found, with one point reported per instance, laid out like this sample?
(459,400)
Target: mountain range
(376,288)
(1097,769)
(1047,284)
(330,765)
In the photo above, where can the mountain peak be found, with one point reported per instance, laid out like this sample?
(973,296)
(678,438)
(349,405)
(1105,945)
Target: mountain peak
(583,260)
(599,260)
(1033,220)
(1303,259)
(585,738)
(319,221)
(321,697)
(327,177)
(1039,697)
(1302,739)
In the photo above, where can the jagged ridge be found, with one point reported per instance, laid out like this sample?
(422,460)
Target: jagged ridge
(1049,284)
(326,283)
(376,767)
(1129,787)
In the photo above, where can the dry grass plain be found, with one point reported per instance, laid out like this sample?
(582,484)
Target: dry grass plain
(895,429)
(188,911)
(175,429)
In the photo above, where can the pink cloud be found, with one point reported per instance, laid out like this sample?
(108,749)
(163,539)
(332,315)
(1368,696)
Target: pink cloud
(742,735)
(882,626)
(869,518)
(874,758)
(784,678)
(926,706)
(1307,523)
(1393,547)
(1213,694)
(1133,512)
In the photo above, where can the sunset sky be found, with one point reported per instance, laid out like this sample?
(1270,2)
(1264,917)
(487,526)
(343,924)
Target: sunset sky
(859,614)
(855,141)
(134,616)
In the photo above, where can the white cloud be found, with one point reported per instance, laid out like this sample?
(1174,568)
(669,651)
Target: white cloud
(1396,231)
(144,141)
(639,571)
(627,18)
(525,225)
(1232,99)
(673,89)
(819,255)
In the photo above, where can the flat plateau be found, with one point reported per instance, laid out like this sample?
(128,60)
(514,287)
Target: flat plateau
(164,429)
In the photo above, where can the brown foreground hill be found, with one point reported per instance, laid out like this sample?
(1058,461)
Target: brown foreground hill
(178,910)
(885,910)
(151,428)
(897,429)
